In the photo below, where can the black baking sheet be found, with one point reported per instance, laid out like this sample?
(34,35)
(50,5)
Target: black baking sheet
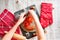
(17,14)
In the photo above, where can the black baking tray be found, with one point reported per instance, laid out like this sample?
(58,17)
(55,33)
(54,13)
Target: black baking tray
(28,35)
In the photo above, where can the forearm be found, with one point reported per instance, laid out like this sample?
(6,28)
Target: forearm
(17,36)
(39,29)
(9,35)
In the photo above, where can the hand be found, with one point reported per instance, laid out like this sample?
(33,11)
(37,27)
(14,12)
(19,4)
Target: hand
(21,18)
(35,17)
(18,36)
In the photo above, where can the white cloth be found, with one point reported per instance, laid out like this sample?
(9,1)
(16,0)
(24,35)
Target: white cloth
(53,30)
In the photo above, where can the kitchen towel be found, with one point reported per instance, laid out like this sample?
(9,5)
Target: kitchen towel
(46,17)
(7,21)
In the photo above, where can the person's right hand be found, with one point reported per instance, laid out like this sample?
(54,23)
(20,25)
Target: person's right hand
(39,29)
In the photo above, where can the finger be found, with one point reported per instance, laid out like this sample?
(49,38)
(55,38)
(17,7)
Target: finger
(32,12)
(22,14)
(5,32)
(24,18)
(29,11)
